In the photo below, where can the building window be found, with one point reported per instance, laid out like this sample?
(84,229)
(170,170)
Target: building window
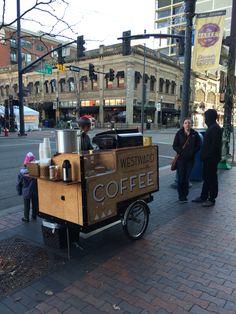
(161,84)
(178,10)
(53,86)
(84,82)
(36,84)
(180,91)
(152,83)
(173,84)
(94,82)
(120,79)
(26,57)
(46,87)
(2,91)
(89,103)
(162,24)
(167,86)
(7,88)
(109,84)
(137,77)
(114,102)
(15,88)
(26,43)
(162,13)
(30,87)
(163,3)
(40,48)
(62,83)
(13,42)
(71,84)
(13,56)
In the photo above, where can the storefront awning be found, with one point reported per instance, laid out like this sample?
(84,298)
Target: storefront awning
(47,105)
(171,111)
(89,109)
(146,109)
(123,107)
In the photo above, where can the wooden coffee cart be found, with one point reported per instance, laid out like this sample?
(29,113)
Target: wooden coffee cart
(107,186)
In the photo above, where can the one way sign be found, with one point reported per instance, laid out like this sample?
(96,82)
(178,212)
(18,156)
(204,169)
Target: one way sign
(74,68)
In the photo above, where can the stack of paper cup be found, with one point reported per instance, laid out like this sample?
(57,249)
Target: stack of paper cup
(41,151)
(47,147)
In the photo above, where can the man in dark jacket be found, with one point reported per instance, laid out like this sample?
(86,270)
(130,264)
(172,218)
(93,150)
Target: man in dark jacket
(210,155)
(85,124)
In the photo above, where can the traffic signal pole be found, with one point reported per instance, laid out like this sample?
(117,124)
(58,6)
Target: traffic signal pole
(189,11)
(20,74)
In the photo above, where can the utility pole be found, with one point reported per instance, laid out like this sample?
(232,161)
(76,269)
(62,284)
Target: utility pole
(189,12)
(144,87)
(229,92)
(20,76)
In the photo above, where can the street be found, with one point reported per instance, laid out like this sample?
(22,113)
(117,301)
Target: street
(13,150)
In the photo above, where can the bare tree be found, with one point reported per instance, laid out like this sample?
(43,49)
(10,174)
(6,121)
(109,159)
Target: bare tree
(38,12)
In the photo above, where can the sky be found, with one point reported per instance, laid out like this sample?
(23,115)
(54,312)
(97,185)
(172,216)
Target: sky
(100,21)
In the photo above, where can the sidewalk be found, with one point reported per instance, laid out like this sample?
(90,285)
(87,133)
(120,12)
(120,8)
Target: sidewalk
(186,262)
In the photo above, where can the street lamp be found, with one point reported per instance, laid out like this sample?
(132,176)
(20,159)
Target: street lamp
(189,12)
(144,87)
(161,111)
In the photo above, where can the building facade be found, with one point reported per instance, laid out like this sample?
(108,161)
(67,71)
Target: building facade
(170,18)
(64,95)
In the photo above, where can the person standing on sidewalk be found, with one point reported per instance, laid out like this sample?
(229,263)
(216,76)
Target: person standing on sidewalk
(211,156)
(186,144)
(85,125)
(27,187)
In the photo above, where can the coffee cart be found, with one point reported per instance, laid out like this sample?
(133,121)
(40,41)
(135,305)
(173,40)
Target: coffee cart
(107,185)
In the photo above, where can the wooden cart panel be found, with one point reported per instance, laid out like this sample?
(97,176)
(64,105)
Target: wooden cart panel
(61,200)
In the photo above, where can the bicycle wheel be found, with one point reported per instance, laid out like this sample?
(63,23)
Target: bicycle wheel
(136,220)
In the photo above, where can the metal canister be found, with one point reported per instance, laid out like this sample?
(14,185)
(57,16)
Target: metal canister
(52,172)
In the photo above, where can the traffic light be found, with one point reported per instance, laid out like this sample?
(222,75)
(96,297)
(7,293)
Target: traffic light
(91,71)
(60,59)
(126,49)
(180,45)
(111,75)
(80,46)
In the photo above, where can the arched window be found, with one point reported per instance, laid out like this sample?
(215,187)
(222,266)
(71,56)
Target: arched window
(71,84)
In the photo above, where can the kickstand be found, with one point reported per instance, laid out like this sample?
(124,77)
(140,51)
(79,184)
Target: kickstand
(77,243)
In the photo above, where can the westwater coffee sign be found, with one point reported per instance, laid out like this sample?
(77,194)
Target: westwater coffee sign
(136,174)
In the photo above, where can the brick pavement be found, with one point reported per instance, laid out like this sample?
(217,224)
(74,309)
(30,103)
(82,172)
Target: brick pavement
(186,263)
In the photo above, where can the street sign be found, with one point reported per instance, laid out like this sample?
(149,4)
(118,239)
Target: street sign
(74,68)
(46,70)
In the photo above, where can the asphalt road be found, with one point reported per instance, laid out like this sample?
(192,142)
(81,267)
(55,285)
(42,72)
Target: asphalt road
(13,150)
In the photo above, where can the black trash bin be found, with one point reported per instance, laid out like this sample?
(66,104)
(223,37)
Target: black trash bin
(196,173)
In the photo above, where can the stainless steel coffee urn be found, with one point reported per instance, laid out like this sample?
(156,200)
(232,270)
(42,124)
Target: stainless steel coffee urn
(68,141)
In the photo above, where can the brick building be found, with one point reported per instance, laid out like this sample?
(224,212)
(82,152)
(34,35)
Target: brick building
(33,45)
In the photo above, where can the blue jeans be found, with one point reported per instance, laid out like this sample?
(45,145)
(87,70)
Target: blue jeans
(184,168)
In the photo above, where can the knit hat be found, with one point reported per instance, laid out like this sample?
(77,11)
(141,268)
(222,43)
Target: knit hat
(28,158)
(85,120)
